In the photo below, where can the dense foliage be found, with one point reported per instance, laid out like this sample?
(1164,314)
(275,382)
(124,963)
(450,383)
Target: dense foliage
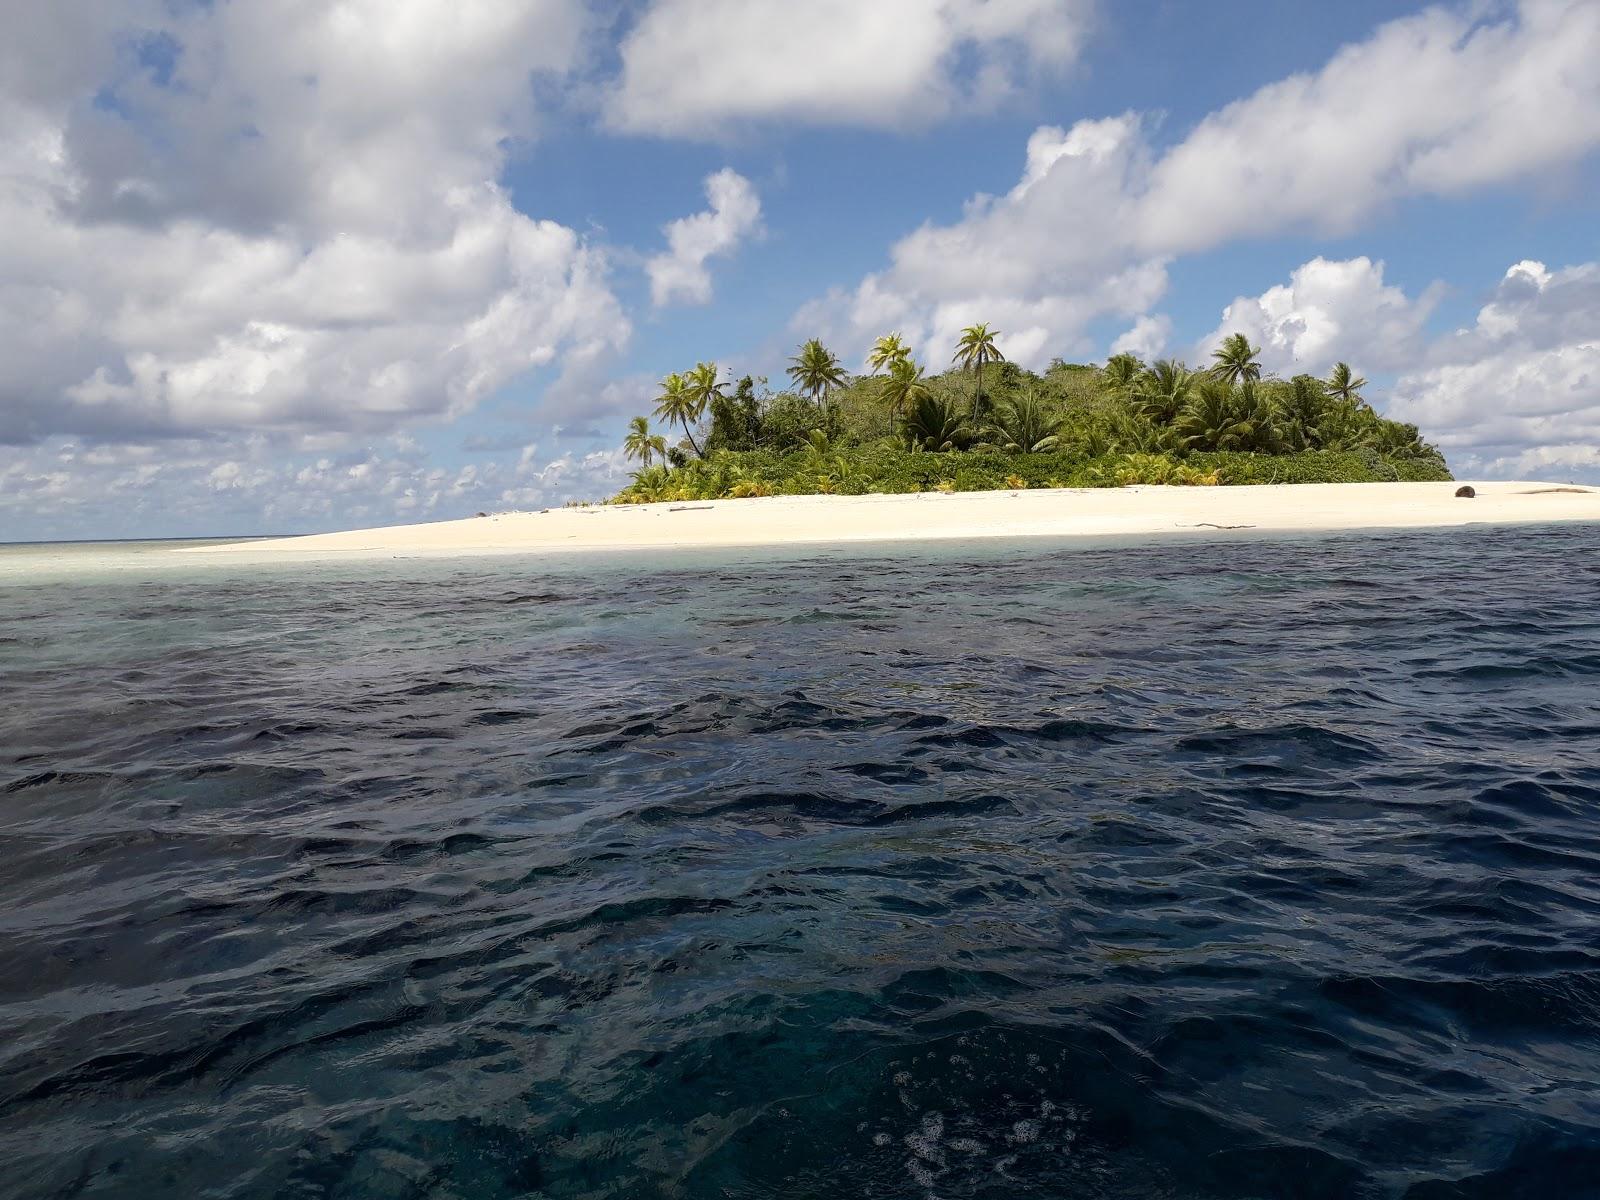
(989,424)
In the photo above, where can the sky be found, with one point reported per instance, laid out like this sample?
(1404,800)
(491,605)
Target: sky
(276,266)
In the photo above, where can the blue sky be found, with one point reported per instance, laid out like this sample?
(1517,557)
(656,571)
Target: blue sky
(290,268)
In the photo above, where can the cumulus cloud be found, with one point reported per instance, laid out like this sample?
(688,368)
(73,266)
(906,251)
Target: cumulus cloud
(1431,104)
(1327,312)
(698,67)
(679,274)
(1039,263)
(1436,103)
(1146,339)
(1518,392)
(279,217)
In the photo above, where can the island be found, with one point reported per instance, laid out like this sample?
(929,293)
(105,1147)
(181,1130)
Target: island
(989,449)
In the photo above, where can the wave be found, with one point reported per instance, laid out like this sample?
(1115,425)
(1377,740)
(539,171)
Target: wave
(956,873)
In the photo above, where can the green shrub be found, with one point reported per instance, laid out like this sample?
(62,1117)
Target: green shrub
(789,420)
(891,470)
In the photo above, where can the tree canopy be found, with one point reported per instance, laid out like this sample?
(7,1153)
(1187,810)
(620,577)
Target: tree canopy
(816,371)
(677,402)
(641,444)
(887,351)
(903,429)
(976,349)
(1236,360)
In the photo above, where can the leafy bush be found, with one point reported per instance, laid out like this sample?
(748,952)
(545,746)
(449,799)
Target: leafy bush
(789,420)
(736,421)
(889,470)
(936,422)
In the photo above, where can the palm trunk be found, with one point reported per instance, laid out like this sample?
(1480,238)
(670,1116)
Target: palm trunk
(698,453)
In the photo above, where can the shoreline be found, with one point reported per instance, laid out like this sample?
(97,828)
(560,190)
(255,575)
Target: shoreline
(938,516)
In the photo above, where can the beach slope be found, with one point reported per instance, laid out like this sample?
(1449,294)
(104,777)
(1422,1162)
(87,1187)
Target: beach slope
(783,520)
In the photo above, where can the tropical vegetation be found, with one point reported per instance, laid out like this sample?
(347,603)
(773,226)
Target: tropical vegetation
(987,423)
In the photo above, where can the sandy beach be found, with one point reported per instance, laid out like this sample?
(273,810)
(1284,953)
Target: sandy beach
(784,520)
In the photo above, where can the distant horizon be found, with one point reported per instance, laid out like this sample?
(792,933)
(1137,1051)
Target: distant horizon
(210,537)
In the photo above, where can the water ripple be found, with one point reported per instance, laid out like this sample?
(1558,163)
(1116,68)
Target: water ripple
(1263,870)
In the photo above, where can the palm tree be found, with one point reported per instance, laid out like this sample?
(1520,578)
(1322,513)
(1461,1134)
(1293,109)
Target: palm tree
(642,444)
(934,424)
(703,386)
(1223,417)
(1236,360)
(1257,428)
(677,403)
(816,371)
(1211,419)
(648,485)
(1298,407)
(1026,424)
(1398,439)
(886,351)
(1121,370)
(1347,427)
(977,347)
(903,386)
(1162,390)
(1345,384)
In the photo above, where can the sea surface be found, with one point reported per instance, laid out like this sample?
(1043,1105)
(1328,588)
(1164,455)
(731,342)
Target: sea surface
(1256,869)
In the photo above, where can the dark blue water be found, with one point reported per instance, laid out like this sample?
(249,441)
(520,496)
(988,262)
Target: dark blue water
(1262,869)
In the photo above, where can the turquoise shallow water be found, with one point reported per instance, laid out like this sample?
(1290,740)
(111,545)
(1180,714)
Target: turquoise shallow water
(1254,869)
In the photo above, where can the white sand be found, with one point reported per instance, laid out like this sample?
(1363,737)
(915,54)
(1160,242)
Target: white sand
(779,520)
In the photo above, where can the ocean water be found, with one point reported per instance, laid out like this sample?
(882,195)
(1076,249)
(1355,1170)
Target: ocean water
(1258,869)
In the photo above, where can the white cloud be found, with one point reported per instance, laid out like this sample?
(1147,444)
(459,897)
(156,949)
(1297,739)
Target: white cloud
(1520,389)
(1146,339)
(280,216)
(697,67)
(680,274)
(1038,263)
(1431,104)
(1327,312)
